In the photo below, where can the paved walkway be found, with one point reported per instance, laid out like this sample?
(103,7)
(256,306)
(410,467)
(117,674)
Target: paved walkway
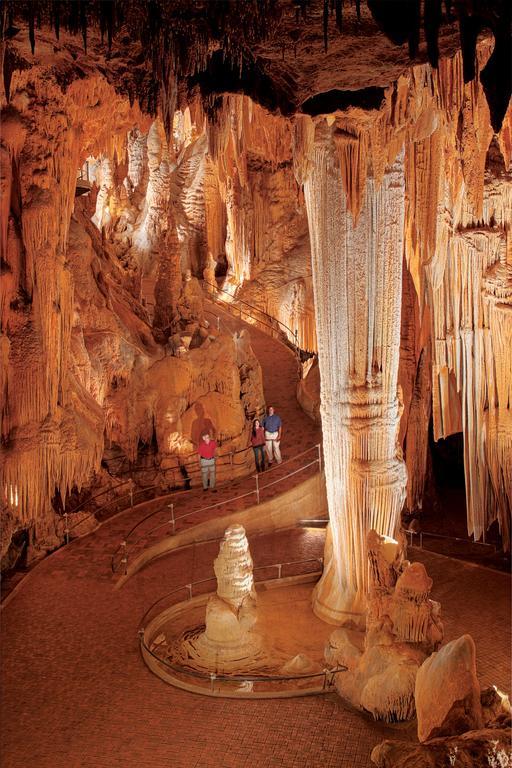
(280,376)
(76,693)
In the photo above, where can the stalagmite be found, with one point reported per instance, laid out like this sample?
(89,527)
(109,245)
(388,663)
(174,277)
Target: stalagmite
(357,272)
(228,641)
(402,629)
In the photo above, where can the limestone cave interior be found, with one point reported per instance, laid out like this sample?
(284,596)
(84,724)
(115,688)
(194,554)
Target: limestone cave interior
(255,383)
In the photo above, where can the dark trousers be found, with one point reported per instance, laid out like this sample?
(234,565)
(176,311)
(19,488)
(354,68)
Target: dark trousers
(259,457)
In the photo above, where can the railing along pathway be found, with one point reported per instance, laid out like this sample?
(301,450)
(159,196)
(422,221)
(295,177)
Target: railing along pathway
(140,534)
(211,679)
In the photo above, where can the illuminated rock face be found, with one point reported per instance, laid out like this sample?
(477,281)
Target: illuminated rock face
(447,691)
(357,272)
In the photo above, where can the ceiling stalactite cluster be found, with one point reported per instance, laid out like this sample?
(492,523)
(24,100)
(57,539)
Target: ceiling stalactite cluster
(234,46)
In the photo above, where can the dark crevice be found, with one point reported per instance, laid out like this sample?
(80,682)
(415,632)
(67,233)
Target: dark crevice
(220,76)
(330,101)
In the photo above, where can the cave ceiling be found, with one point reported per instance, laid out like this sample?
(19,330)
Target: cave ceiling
(290,56)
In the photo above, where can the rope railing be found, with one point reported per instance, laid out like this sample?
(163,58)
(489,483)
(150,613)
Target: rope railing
(213,678)
(121,555)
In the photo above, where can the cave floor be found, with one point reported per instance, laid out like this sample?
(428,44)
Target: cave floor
(76,693)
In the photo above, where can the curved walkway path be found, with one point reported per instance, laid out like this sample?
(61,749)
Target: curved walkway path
(76,694)
(300,433)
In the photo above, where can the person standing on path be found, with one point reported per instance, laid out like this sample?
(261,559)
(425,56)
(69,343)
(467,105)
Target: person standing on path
(206,451)
(258,445)
(272,425)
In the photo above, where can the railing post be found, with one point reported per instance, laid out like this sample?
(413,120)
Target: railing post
(256,477)
(212,680)
(319,447)
(279,570)
(66,528)
(124,559)
(172,520)
(218,323)
(189,587)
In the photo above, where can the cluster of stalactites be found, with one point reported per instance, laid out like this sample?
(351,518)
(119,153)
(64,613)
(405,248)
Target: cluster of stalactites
(456,234)
(55,434)
(458,247)
(241,130)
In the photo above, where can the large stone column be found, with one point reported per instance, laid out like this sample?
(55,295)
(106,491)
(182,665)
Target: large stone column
(357,277)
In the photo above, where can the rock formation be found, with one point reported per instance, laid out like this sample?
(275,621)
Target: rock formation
(447,693)
(448,703)
(228,642)
(402,630)
(478,749)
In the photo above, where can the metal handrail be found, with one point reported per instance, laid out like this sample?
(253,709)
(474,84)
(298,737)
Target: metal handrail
(123,546)
(189,459)
(96,496)
(445,537)
(190,585)
(288,333)
(222,677)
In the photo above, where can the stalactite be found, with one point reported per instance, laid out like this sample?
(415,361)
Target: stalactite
(353,154)
(53,443)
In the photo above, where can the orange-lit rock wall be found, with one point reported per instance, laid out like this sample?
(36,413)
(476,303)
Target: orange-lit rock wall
(88,304)
(90,300)
(52,431)
(256,213)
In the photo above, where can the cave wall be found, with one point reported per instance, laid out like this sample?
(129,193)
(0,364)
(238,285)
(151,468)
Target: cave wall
(229,184)
(95,318)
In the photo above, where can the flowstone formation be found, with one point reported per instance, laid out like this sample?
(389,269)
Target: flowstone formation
(403,628)
(228,642)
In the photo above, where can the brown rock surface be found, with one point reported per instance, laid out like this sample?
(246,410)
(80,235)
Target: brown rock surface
(475,749)
(447,693)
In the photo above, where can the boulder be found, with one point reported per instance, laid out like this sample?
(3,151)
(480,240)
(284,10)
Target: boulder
(447,693)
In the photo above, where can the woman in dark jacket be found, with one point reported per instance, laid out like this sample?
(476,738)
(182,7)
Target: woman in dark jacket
(258,445)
